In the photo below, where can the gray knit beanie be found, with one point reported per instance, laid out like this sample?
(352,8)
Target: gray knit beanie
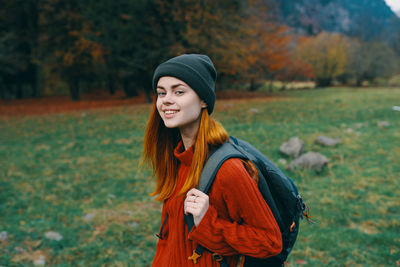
(194,69)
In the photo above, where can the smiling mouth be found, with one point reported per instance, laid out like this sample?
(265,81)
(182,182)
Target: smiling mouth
(170,112)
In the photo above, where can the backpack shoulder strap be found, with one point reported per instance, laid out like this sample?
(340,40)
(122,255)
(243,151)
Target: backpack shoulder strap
(210,170)
(214,163)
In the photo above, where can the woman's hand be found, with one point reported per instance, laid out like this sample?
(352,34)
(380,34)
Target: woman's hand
(196,203)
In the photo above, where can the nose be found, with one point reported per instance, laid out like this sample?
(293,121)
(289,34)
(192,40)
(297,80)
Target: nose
(167,99)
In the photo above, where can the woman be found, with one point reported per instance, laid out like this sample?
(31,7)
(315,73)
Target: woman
(233,219)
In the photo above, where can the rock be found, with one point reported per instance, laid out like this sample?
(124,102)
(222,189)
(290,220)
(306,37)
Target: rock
(40,261)
(3,236)
(53,236)
(254,110)
(349,130)
(19,250)
(310,160)
(129,212)
(292,148)
(133,224)
(326,141)
(282,162)
(359,125)
(396,108)
(383,124)
(228,105)
(88,217)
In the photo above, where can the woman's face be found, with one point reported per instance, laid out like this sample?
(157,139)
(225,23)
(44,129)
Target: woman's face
(178,105)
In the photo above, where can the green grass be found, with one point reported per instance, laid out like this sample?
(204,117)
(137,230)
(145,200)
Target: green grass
(55,169)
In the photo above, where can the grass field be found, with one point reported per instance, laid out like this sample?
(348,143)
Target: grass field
(76,173)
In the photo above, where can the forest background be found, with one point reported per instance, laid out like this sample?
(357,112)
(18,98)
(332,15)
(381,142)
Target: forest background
(55,47)
(71,192)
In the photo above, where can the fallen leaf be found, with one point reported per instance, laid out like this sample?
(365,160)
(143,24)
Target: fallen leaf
(106,141)
(301,262)
(123,141)
(42,147)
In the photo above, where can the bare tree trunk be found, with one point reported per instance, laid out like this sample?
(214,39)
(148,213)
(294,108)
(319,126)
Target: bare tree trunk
(34,81)
(147,94)
(252,86)
(74,89)
(130,90)
(19,93)
(324,82)
(111,83)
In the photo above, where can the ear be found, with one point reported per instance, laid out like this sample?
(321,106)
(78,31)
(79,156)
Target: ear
(203,104)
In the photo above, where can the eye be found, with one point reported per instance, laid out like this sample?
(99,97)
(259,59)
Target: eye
(161,93)
(179,92)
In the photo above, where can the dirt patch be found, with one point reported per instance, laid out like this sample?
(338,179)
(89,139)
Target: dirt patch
(61,104)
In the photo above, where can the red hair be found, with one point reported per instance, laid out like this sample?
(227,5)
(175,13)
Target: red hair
(159,145)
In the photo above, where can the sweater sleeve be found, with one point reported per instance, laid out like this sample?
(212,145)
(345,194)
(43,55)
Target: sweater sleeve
(239,221)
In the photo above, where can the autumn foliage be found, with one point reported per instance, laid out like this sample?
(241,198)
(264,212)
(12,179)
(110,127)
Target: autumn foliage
(88,45)
(326,53)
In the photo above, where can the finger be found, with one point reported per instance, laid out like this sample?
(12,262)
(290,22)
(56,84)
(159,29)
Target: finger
(198,201)
(195,212)
(201,194)
(196,192)
(191,198)
(192,205)
(201,200)
(188,209)
(192,192)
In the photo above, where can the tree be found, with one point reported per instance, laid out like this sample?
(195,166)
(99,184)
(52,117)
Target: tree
(209,27)
(295,69)
(64,43)
(19,31)
(327,54)
(242,37)
(133,39)
(10,62)
(265,43)
(371,60)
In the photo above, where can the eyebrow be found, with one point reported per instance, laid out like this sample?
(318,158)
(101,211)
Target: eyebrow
(173,86)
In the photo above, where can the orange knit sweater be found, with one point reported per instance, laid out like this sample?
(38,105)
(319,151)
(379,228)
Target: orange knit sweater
(238,220)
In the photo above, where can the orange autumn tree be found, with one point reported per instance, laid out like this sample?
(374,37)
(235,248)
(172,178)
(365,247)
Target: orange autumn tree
(327,54)
(266,43)
(294,68)
(209,27)
(240,37)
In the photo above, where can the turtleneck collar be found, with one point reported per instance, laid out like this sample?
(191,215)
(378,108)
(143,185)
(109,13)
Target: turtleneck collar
(184,156)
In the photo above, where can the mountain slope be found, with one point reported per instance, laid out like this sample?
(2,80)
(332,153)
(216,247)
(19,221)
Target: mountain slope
(366,19)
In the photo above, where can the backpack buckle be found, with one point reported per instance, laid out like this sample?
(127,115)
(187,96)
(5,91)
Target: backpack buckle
(217,257)
(194,257)
(292,227)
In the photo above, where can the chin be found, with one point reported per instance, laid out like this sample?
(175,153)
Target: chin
(170,125)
